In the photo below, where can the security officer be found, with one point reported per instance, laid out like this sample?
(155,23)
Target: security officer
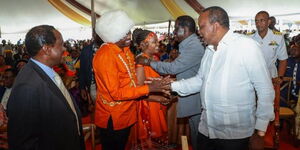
(273,46)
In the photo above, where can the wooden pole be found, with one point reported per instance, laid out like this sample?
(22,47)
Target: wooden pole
(169,28)
(93,17)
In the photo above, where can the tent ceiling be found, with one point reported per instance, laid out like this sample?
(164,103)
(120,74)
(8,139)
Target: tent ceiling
(248,8)
(20,15)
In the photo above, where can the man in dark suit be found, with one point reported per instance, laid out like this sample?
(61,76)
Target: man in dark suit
(42,115)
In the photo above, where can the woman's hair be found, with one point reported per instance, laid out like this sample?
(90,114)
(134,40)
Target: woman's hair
(139,35)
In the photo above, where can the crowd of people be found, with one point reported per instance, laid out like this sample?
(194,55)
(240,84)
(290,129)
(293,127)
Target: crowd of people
(214,85)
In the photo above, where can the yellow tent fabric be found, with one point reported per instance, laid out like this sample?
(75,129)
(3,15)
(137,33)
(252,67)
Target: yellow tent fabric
(173,8)
(69,12)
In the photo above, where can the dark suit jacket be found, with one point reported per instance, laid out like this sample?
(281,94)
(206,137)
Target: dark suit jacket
(85,70)
(2,91)
(39,115)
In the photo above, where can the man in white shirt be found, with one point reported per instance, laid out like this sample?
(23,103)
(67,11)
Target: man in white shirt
(232,72)
(273,46)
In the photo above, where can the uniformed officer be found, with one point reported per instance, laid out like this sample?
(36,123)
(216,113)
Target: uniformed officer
(273,46)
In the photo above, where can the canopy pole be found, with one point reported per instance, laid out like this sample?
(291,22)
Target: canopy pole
(169,27)
(93,17)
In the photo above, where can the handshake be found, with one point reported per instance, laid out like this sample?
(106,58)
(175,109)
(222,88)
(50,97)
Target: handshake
(160,85)
(157,85)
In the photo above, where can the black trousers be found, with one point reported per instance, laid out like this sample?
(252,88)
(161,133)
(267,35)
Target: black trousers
(204,143)
(113,139)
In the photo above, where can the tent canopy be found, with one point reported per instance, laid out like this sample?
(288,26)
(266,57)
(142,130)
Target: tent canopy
(18,16)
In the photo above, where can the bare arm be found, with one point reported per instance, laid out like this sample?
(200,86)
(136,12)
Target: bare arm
(282,67)
(140,74)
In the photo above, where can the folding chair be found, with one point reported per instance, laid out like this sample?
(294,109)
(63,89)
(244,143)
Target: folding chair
(89,132)
(287,113)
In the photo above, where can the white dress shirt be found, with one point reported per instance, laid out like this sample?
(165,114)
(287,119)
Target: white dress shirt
(273,48)
(227,80)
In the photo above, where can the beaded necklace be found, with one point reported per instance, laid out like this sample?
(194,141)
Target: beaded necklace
(130,69)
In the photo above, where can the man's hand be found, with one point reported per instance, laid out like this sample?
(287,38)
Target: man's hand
(257,141)
(141,60)
(160,85)
(277,81)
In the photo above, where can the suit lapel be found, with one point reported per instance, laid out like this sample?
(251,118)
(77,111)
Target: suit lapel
(52,86)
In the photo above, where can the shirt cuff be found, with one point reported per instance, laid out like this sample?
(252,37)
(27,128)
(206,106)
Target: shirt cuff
(175,86)
(179,88)
(261,125)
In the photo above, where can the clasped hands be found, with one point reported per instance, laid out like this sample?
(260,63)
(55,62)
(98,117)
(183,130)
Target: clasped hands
(162,85)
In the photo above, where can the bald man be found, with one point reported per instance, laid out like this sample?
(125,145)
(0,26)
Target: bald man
(273,46)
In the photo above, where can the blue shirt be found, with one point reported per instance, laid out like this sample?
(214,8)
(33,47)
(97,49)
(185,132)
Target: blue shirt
(49,71)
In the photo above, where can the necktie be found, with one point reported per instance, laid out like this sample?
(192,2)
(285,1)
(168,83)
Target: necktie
(66,94)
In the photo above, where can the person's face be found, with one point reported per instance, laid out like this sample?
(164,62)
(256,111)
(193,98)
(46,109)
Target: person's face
(173,54)
(162,48)
(262,22)
(74,54)
(272,21)
(58,49)
(179,32)
(126,41)
(152,45)
(295,51)
(2,60)
(206,29)
(9,79)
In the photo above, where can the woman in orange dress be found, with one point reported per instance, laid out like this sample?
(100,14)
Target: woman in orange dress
(152,124)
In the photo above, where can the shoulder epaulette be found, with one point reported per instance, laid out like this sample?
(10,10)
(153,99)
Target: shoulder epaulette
(277,32)
(250,33)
